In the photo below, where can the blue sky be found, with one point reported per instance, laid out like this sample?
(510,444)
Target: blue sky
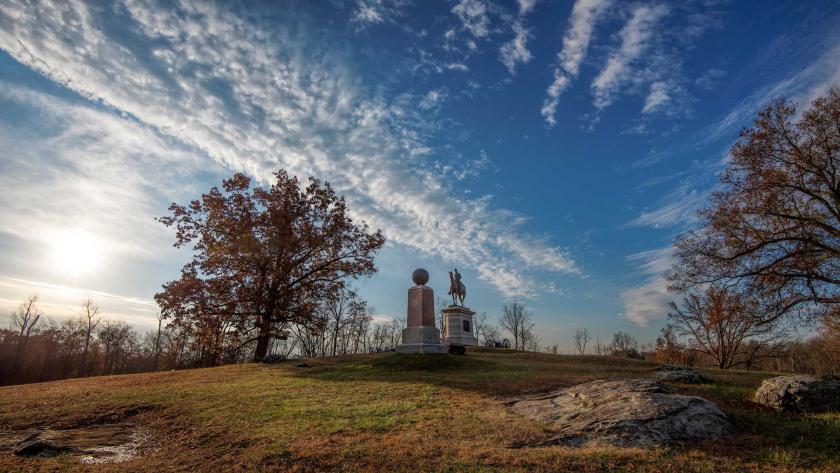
(550,150)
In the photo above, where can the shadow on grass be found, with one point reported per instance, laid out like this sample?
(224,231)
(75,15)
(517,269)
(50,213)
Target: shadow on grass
(784,440)
(490,372)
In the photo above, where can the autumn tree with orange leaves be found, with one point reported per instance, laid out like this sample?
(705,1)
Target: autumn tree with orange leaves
(263,258)
(723,325)
(774,228)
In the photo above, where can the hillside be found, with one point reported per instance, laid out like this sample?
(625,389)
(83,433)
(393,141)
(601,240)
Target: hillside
(389,412)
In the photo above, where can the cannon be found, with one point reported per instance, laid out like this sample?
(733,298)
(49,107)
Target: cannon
(498,344)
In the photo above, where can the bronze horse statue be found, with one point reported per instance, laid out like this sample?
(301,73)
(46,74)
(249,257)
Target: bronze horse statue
(456,288)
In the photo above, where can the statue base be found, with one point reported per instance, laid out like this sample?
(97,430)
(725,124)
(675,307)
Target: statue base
(421,340)
(460,326)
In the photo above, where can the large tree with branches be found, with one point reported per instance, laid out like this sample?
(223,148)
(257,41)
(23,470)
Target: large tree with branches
(728,327)
(263,257)
(774,228)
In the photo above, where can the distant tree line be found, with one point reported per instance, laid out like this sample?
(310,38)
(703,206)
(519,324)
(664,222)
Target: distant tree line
(35,347)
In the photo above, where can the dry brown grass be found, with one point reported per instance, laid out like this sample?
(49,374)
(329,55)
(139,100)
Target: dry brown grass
(393,413)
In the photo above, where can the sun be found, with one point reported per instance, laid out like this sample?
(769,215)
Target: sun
(75,252)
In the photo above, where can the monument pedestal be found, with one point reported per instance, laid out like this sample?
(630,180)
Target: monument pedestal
(421,335)
(421,340)
(460,326)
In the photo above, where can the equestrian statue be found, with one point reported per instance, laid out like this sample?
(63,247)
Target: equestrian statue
(456,288)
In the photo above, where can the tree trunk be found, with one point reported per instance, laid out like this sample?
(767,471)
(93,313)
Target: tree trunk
(262,339)
(157,346)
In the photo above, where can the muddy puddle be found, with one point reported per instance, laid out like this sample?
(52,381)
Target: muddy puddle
(101,443)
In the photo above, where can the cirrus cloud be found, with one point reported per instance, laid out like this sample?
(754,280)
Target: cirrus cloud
(254,97)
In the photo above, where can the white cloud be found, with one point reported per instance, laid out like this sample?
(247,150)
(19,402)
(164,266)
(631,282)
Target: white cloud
(93,171)
(658,97)
(525,6)
(457,66)
(470,168)
(709,79)
(282,105)
(679,207)
(372,12)
(585,15)
(802,87)
(474,17)
(646,303)
(382,319)
(635,39)
(516,50)
(62,302)
(433,99)
(649,302)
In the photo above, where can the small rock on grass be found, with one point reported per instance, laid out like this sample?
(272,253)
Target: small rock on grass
(800,393)
(678,374)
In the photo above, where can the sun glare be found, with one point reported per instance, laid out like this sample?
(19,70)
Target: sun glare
(75,252)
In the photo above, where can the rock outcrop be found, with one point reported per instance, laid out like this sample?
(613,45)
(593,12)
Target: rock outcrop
(678,374)
(626,413)
(800,393)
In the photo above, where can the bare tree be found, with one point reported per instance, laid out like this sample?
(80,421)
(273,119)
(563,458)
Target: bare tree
(160,317)
(24,320)
(310,335)
(728,326)
(479,321)
(581,340)
(90,319)
(395,329)
(379,337)
(516,320)
(115,340)
(668,348)
(600,349)
(624,345)
(441,304)
(489,332)
(342,309)
(531,341)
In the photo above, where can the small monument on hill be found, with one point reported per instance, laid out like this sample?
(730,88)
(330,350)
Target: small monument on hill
(421,335)
(460,326)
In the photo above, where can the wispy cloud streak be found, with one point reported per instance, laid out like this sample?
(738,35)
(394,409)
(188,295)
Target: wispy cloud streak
(582,22)
(635,39)
(649,302)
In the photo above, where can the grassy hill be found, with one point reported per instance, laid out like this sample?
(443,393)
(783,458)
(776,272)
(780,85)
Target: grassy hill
(391,412)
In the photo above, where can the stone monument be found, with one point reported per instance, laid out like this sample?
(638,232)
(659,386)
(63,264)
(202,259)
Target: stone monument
(421,335)
(460,326)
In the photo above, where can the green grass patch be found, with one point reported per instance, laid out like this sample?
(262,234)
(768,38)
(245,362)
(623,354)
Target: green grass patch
(395,412)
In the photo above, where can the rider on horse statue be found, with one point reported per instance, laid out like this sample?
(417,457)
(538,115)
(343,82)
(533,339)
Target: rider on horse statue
(456,288)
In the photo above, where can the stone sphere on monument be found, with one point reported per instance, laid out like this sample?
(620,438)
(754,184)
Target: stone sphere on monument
(420,276)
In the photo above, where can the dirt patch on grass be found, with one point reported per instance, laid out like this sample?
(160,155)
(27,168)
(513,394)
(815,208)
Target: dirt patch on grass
(104,443)
(112,436)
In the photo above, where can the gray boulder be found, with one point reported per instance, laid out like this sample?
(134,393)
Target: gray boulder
(800,393)
(625,413)
(678,374)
